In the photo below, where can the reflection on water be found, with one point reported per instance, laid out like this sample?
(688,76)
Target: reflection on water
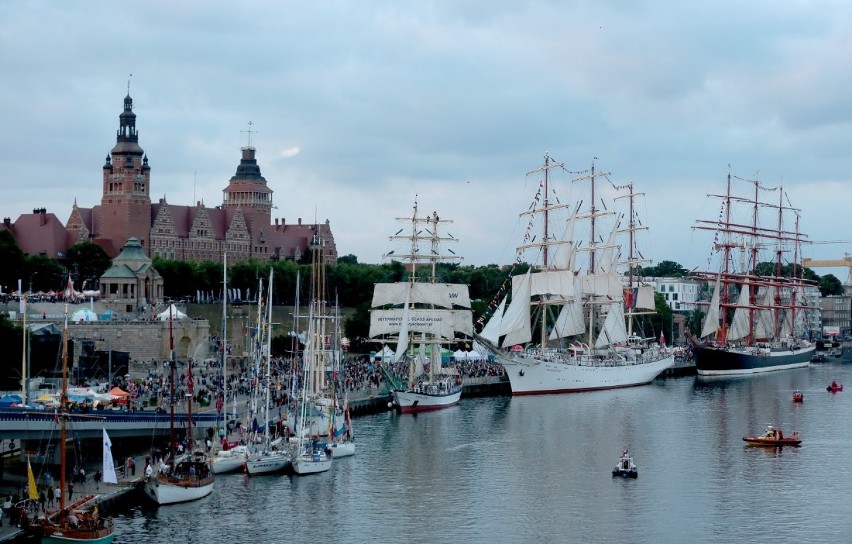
(531,468)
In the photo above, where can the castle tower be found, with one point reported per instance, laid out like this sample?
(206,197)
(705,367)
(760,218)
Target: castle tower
(125,210)
(248,191)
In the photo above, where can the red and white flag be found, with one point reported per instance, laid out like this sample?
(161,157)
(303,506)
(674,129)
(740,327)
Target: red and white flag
(662,339)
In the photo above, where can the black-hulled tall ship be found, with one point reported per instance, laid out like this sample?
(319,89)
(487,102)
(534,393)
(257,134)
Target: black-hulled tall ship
(753,322)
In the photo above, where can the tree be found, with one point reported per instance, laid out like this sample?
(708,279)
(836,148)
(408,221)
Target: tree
(830,285)
(13,262)
(88,261)
(347,259)
(664,269)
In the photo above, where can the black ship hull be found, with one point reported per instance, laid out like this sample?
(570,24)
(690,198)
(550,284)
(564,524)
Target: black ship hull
(718,361)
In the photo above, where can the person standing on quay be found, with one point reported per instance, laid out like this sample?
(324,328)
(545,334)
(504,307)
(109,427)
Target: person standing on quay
(70,490)
(50,496)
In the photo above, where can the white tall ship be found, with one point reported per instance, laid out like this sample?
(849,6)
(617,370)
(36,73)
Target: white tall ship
(420,315)
(576,297)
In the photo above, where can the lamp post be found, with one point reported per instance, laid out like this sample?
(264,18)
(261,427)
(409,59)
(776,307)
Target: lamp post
(31,281)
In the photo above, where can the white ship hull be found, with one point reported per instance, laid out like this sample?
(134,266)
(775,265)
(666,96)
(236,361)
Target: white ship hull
(311,463)
(229,461)
(531,376)
(411,402)
(172,493)
(342,449)
(267,464)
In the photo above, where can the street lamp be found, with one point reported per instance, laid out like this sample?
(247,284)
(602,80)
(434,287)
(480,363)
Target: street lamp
(31,281)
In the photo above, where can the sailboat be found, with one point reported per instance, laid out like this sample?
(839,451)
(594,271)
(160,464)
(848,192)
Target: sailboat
(424,314)
(231,460)
(310,456)
(590,297)
(753,320)
(180,477)
(80,521)
(341,440)
(267,460)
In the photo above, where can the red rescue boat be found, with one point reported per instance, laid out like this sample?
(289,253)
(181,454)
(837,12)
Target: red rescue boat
(798,396)
(773,437)
(834,387)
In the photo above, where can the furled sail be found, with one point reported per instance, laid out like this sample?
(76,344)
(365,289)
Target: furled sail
(516,320)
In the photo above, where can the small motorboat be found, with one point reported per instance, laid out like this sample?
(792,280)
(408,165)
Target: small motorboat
(834,387)
(625,467)
(798,396)
(773,437)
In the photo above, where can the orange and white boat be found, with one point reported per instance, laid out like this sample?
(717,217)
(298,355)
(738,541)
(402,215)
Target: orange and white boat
(773,437)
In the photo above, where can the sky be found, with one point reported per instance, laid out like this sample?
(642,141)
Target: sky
(360,108)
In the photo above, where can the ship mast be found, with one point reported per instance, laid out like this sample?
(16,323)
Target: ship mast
(63,408)
(634,258)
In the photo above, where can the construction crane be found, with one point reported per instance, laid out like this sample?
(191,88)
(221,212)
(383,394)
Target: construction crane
(832,263)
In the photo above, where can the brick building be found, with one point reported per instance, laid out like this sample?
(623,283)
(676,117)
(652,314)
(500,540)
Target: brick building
(241,226)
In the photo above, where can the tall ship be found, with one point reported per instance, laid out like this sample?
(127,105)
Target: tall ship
(569,325)
(420,315)
(753,321)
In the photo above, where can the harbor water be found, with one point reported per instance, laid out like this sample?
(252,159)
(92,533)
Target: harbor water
(537,469)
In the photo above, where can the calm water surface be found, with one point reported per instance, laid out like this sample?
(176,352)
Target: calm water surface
(529,469)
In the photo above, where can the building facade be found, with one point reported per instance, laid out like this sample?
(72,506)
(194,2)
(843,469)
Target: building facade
(242,226)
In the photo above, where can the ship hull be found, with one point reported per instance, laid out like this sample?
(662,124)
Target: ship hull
(712,361)
(164,493)
(267,464)
(531,376)
(411,402)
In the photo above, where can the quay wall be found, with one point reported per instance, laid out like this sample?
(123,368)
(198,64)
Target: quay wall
(146,340)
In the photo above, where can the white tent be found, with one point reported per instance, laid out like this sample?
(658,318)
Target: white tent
(386,354)
(175,314)
(84,314)
(461,355)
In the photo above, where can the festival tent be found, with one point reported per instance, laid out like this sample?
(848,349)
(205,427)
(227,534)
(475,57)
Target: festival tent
(84,314)
(171,311)
(461,355)
(386,354)
(118,395)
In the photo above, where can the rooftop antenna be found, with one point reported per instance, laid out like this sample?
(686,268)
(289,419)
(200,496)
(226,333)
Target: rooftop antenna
(194,181)
(249,131)
(128,84)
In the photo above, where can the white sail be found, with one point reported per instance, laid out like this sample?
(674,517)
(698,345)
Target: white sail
(570,321)
(609,258)
(444,295)
(739,325)
(516,320)
(711,322)
(549,282)
(603,285)
(402,343)
(108,469)
(764,319)
(614,330)
(563,257)
(491,331)
(439,322)
(645,298)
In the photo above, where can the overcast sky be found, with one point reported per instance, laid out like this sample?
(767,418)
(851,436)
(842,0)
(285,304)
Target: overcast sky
(361,106)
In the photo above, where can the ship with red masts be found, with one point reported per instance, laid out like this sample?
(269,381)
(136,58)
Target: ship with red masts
(753,319)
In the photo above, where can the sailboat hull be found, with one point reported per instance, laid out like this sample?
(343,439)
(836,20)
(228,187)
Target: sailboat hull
(89,537)
(229,461)
(163,492)
(311,463)
(342,449)
(413,402)
(712,361)
(531,376)
(267,464)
